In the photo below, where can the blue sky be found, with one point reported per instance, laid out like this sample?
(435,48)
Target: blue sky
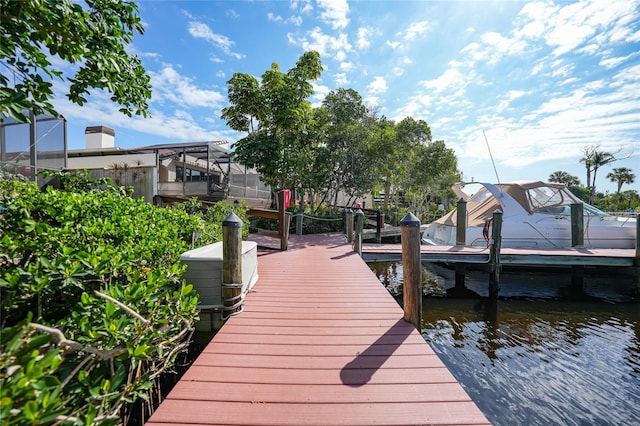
(542,80)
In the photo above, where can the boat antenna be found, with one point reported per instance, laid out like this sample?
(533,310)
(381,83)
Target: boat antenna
(490,155)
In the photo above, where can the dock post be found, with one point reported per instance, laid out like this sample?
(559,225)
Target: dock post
(349,224)
(231,265)
(577,240)
(577,225)
(461,222)
(379,226)
(284,238)
(411,270)
(359,226)
(636,261)
(299,219)
(461,239)
(494,254)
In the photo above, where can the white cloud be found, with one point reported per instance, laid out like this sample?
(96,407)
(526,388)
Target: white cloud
(306,7)
(613,62)
(378,85)
(335,13)
(274,18)
(295,20)
(320,92)
(397,71)
(371,102)
(202,30)
(510,96)
(451,78)
(326,45)
(416,29)
(341,79)
(393,44)
(347,66)
(169,86)
(363,40)
(569,26)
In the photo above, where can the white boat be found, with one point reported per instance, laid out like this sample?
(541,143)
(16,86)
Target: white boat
(535,214)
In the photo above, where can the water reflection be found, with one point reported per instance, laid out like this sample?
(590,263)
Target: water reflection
(538,283)
(539,354)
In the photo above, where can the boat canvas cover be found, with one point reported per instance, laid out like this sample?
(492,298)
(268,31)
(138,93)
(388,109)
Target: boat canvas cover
(480,206)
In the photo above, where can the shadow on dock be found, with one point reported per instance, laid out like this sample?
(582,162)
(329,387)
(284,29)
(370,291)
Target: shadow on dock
(359,371)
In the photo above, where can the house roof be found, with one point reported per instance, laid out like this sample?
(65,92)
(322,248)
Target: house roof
(200,150)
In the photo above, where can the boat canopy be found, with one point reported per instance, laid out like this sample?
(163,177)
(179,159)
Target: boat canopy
(530,197)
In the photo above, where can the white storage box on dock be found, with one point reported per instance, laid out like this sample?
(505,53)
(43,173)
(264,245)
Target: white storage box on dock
(204,271)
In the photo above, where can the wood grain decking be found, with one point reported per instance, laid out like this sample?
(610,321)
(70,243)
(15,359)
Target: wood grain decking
(320,341)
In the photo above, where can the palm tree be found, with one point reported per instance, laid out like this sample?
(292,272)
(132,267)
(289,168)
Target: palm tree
(599,159)
(621,175)
(564,177)
(588,152)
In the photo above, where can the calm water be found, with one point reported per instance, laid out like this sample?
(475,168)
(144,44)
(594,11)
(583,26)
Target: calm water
(543,355)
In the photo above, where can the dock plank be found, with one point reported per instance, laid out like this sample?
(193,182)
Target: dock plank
(320,341)
(531,256)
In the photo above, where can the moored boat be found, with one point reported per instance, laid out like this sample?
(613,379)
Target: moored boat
(535,214)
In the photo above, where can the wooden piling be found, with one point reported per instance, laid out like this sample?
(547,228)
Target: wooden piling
(411,270)
(231,265)
(577,240)
(284,238)
(494,254)
(349,224)
(299,219)
(636,261)
(461,222)
(359,227)
(379,226)
(577,225)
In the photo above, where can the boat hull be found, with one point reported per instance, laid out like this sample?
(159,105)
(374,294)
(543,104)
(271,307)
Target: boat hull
(543,232)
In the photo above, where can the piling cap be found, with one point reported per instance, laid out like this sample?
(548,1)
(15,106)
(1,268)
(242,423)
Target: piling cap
(359,212)
(410,220)
(232,221)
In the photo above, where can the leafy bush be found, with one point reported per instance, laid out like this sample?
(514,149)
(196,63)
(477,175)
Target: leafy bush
(93,305)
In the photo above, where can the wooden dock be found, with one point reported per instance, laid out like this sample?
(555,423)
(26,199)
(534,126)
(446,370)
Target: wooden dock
(576,256)
(320,341)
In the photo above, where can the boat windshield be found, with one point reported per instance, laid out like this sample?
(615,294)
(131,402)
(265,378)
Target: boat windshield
(553,200)
(480,196)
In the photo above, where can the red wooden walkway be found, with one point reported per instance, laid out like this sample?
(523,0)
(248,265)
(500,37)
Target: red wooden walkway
(320,341)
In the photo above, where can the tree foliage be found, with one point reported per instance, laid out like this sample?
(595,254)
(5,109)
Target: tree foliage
(620,176)
(341,147)
(564,178)
(93,305)
(37,34)
(276,114)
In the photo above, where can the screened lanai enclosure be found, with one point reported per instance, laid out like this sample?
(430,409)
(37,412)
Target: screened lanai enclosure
(207,171)
(161,174)
(29,148)
(168,173)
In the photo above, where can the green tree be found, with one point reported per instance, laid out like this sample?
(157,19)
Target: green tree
(384,154)
(599,159)
(345,143)
(433,172)
(276,114)
(621,175)
(38,34)
(565,178)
